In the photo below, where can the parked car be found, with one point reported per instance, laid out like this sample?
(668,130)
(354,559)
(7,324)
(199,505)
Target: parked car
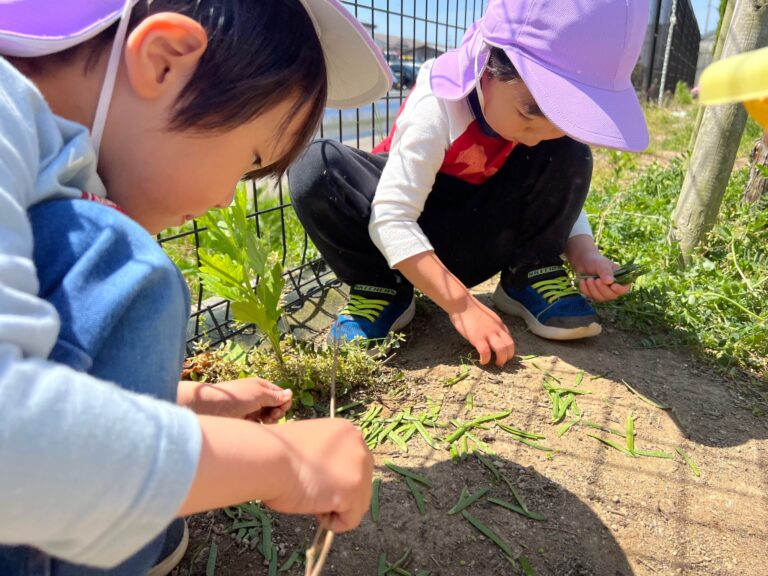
(404,73)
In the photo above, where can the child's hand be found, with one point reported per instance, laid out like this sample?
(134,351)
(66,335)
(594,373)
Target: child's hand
(483,328)
(250,398)
(604,287)
(330,472)
(586,259)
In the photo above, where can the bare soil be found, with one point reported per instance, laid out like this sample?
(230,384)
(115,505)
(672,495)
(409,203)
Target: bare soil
(607,513)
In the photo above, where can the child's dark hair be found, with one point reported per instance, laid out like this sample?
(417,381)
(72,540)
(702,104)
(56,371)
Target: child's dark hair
(259,53)
(500,67)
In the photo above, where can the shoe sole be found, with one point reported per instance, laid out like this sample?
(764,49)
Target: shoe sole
(401,322)
(172,560)
(503,302)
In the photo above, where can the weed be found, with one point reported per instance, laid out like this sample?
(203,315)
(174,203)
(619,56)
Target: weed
(718,305)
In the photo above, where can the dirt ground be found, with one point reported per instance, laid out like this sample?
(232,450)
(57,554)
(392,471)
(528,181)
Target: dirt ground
(607,513)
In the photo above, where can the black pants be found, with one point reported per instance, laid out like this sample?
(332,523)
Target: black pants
(520,217)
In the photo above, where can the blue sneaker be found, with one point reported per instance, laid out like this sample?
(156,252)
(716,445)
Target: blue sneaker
(372,313)
(548,302)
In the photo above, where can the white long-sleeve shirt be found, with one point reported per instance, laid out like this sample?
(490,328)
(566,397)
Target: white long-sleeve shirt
(430,135)
(89,472)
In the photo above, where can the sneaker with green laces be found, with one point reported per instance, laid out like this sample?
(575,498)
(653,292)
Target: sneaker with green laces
(372,313)
(548,302)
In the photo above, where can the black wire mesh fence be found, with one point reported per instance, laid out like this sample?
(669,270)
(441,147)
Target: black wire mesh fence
(408,32)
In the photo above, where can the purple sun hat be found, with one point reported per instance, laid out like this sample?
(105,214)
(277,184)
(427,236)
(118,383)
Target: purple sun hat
(357,71)
(576,57)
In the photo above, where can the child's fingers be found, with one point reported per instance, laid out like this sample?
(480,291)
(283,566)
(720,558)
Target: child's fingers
(272,395)
(598,291)
(503,347)
(484,350)
(590,288)
(620,289)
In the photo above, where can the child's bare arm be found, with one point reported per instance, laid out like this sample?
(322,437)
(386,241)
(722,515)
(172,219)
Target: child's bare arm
(585,258)
(319,467)
(480,325)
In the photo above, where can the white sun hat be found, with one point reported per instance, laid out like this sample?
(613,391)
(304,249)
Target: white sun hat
(357,71)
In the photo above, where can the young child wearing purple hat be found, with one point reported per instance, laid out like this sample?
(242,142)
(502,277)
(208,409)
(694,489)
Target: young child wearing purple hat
(485,171)
(173,101)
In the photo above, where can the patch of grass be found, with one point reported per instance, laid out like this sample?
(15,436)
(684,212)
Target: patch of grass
(718,305)
(307,369)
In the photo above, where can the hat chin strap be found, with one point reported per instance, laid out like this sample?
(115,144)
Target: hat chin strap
(478,81)
(108,87)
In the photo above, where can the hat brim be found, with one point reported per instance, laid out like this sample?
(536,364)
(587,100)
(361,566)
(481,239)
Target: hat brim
(357,71)
(30,29)
(358,74)
(609,118)
(453,73)
(736,79)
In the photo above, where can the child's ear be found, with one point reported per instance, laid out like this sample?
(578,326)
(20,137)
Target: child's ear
(163,50)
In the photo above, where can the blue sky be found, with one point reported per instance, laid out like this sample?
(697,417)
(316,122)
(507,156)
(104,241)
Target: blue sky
(700,8)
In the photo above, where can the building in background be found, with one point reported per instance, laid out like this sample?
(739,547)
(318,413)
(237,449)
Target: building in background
(683,53)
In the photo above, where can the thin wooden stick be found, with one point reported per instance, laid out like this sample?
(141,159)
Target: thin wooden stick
(315,562)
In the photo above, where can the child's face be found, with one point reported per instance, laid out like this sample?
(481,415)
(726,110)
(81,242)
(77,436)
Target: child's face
(513,113)
(162,178)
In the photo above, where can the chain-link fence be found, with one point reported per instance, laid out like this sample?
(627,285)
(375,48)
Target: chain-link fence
(408,33)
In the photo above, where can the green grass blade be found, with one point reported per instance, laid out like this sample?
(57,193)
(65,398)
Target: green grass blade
(467,501)
(456,434)
(518,509)
(462,375)
(266,536)
(417,495)
(612,444)
(292,559)
(526,567)
(489,418)
(518,432)
(488,533)
(563,430)
(408,474)
(375,509)
(396,439)
(655,454)
(424,434)
(565,404)
(210,568)
(407,431)
(533,444)
(273,561)
(654,403)
(555,397)
(491,468)
(382,567)
(480,444)
(631,432)
(518,497)
(596,426)
(688,460)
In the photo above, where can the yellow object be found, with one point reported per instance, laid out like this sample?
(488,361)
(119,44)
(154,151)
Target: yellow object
(741,78)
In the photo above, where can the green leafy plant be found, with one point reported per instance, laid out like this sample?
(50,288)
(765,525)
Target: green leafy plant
(238,266)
